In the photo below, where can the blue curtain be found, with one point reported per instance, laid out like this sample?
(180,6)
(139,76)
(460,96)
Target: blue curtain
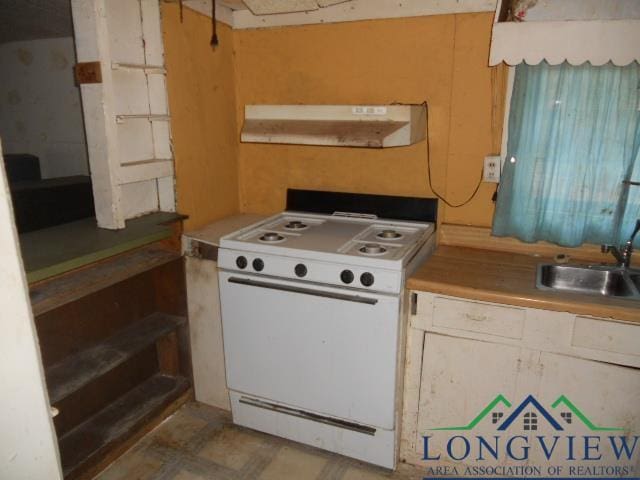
(574,133)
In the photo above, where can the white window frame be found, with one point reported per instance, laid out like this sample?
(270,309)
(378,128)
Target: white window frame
(511,75)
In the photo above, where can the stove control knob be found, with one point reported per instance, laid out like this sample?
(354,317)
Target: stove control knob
(346,276)
(241,262)
(301,270)
(258,265)
(366,279)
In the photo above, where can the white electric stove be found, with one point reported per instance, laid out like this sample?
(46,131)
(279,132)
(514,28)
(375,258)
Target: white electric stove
(311,310)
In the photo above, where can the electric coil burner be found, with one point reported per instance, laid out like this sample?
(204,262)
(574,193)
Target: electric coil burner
(295,300)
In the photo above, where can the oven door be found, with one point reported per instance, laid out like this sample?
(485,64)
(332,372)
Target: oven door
(326,350)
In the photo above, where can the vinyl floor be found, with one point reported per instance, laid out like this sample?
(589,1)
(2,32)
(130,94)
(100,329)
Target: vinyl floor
(199,442)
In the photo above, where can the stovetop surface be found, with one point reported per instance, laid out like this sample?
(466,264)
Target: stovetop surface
(332,234)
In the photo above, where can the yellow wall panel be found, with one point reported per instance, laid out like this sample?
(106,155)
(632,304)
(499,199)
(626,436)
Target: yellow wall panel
(441,59)
(201,88)
(472,134)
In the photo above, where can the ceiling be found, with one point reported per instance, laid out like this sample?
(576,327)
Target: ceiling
(268,7)
(34,19)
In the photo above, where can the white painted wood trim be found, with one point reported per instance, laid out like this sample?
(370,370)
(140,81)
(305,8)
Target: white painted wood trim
(594,41)
(126,157)
(167,193)
(342,12)
(28,445)
(411,395)
(504,145)
(544,330)
(150,69)
(92,44)
(145,170)
(205,328)
(269,7)
(224,14)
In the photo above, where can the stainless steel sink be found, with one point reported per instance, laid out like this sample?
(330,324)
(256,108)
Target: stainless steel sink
(590,279)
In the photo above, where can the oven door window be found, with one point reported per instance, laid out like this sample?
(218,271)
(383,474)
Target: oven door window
(326,350)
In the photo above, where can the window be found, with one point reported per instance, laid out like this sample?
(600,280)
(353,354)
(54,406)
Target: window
(530,421)
(567,416)
(496,416)
(573,142)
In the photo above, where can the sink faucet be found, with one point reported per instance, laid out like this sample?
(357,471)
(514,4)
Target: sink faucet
(623,254)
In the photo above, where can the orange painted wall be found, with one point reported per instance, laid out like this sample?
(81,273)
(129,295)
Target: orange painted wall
(202,101)
(441,59)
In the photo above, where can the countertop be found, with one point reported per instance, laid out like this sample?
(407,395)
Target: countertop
(508,278)
(212,233)
(55,250)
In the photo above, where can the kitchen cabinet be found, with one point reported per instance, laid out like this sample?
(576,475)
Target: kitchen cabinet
(200,249)
(608,394)
(205,331)
(463,355)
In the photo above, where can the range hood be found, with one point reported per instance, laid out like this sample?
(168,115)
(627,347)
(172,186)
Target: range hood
(372,126)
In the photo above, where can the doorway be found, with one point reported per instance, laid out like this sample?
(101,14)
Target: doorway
(41,122)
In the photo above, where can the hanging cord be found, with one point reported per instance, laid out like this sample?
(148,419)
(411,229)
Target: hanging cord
(214,33)
(441,197)
(181,11)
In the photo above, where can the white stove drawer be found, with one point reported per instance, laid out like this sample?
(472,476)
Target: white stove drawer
(325,350)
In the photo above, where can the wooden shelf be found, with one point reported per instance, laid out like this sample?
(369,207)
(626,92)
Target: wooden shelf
(75,285)
(140,170)
(74,372)
(150,69)
(90,441)
(143,116)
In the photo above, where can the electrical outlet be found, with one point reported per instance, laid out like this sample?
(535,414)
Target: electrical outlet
(491,172)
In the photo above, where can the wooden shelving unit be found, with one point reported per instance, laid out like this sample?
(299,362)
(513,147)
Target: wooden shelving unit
(114,347)
(76,371)
(68,288)
(94,438)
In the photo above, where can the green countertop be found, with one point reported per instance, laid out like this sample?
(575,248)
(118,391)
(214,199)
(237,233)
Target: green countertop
(58,249)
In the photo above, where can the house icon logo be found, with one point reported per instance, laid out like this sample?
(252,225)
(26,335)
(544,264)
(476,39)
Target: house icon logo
(529,414)
(532,430)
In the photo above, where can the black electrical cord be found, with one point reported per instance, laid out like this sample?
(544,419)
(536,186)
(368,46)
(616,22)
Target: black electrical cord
(214,33)
(441,197)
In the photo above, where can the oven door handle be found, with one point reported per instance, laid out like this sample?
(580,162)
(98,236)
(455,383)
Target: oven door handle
(303,291)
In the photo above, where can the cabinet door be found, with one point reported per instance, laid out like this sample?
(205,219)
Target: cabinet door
(460,379)
(585,396)
(205,329)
